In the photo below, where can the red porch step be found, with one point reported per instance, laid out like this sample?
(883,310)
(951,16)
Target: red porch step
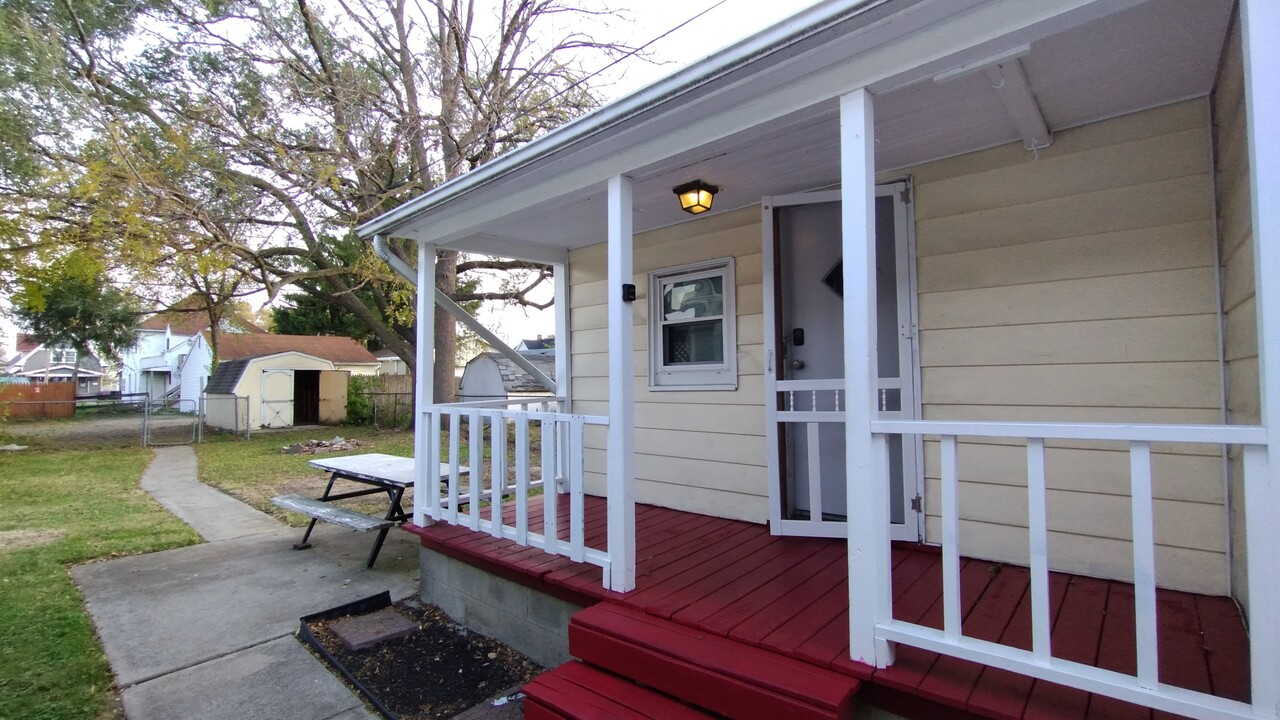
(574,691)
(722,676)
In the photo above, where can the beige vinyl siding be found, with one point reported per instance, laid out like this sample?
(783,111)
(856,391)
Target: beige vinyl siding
(1078,284)
(700,451)
(1235,240)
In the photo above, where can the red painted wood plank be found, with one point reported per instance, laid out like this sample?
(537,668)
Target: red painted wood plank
(724,618)
(725,570)
(534,710)
(667,579)
(572,701)
(1182,657)
(1076,636)
(913,665)
(1002,694)
(680,660)
(793,604)
(632,696)
(1226,646)
(1118,651)
(951,680)
(794,633)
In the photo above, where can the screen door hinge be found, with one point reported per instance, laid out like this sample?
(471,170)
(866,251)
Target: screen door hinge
(905,195)
(916,504)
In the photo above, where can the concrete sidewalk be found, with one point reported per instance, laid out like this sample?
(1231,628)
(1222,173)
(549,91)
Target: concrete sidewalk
(204,632)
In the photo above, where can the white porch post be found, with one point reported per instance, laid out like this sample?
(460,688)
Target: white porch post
(868,495)
(422,385)
(1260,25)
(621,440)
(560,274)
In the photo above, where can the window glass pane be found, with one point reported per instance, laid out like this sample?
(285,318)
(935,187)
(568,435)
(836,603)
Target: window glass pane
(689,299)
(693,343)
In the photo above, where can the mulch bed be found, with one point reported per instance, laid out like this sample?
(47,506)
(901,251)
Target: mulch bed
(435,673)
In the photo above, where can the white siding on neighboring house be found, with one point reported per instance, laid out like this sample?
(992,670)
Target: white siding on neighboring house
(195,372)
(1078,284)
(701,451)
(1235,242)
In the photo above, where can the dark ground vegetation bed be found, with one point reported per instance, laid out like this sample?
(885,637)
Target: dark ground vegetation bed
(435,673)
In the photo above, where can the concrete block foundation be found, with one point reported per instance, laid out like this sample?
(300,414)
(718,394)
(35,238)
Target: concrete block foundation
(534,623)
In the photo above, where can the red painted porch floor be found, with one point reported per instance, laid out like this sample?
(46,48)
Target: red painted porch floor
(789,595)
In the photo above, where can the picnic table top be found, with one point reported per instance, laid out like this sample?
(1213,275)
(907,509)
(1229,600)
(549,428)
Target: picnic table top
(377,468)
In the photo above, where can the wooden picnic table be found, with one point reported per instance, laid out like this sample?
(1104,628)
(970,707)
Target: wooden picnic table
(390,474)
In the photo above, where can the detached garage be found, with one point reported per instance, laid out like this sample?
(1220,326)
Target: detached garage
(276,391)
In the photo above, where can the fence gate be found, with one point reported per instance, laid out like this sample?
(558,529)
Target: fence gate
(277,398)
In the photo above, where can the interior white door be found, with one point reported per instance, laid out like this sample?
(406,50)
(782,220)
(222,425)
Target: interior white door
(806,311)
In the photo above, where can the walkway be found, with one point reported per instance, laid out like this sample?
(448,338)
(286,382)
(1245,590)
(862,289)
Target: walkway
(203,632)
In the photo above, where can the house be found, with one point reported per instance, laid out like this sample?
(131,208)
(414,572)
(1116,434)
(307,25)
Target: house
(278,381)
(390,364)
(954,396)
(492,376)
(538,346)
(41,364)
(172,358)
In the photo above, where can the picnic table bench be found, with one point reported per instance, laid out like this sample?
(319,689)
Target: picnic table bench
(390,474)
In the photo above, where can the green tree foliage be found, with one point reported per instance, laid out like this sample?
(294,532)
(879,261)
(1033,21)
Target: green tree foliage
(181,137)
(72,304)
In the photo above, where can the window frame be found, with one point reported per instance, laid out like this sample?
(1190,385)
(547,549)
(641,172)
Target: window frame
(701,376)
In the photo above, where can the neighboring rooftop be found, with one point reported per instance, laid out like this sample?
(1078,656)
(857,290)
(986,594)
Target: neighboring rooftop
(514,378)
(333,349)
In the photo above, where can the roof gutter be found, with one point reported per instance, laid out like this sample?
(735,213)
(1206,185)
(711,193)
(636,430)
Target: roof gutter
(805,24)
(384,251)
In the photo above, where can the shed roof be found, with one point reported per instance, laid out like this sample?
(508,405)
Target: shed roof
(333,349)
(226,376)
(515,379)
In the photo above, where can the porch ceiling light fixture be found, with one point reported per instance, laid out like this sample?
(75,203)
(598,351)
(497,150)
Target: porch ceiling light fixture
(696,196)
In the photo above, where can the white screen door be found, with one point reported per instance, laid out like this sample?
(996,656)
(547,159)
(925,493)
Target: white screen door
(804,376)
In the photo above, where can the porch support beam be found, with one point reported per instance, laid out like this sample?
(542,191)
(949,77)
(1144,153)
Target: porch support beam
(492,340)
(870,599)
(560,276)
(1260,26)
(621,438)
(423,375)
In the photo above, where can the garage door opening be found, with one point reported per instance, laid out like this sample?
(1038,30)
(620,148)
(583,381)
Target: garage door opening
(306,397)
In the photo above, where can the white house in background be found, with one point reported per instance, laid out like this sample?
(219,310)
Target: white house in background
(493,376)
(172,359)
(1000,277)
(537,346)
(391,364)
(40,364)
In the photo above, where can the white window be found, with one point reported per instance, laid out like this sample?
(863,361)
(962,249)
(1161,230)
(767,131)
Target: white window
(61,356)
(692,324)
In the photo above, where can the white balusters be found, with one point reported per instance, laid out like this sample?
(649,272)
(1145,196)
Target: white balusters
(577,496)
(1038,532)
(550,524)
(498,471)
(1144,564)
(950,540)
(522,479)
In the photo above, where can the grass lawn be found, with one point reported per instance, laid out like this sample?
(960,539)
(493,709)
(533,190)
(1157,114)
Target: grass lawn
(255,470)
(58,509)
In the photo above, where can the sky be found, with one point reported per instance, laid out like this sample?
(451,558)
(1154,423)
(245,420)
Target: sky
(682,32)
(718,24)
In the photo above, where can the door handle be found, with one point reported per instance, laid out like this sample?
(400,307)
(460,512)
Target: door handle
(797,364)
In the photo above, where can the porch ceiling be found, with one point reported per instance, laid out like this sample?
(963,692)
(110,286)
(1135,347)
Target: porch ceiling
(1144,56)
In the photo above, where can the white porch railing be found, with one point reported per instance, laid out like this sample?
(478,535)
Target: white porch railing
(561,472)
(1144,687)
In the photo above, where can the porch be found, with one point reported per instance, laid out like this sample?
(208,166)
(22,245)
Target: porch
(789,595)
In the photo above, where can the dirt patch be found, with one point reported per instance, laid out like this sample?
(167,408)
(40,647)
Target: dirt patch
(20,539)
(435,673)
